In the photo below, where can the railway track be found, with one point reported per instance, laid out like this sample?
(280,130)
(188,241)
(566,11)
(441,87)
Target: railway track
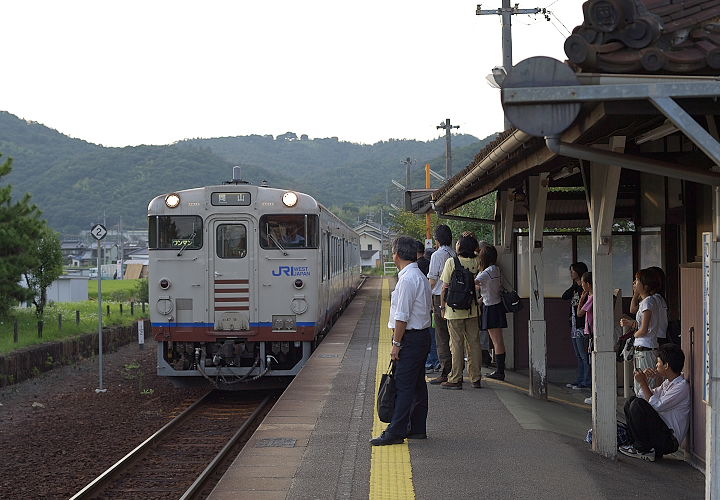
(177,461)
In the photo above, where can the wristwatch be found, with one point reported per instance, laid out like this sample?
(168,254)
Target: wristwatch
(396,343)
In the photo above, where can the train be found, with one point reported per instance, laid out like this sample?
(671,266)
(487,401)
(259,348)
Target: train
(244,281)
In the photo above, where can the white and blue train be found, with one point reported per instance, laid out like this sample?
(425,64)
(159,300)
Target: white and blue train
(245,280)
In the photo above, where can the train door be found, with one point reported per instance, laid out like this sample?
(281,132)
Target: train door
(230,267)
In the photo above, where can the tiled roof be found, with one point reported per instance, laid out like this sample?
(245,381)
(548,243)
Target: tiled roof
(647,36)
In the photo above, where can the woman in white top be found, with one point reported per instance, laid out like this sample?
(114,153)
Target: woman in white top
(493,314)
(650,321)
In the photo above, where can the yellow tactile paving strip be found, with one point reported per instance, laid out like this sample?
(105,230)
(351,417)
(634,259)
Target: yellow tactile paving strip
(390,468)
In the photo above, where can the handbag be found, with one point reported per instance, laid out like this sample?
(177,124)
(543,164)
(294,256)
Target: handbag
(510,300)
(386,395)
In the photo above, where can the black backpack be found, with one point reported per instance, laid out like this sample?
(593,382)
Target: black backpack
(461,289)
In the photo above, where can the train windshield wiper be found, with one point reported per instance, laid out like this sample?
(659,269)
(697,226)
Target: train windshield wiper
(187,244)
(270,235)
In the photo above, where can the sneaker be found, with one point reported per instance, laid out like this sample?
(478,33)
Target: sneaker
(477,385)
(588,401)
(429,369)
(438,380)
(452,385)
(630,451)
(571,386)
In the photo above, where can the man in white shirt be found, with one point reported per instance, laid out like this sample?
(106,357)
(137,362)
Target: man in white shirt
(658,418)
(443,238)
(410,307)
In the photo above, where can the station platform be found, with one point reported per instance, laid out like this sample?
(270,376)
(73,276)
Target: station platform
(495,442)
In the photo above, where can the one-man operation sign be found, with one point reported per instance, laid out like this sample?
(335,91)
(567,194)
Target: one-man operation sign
(98,231)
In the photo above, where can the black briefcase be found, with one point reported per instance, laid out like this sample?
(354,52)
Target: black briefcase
(386,395)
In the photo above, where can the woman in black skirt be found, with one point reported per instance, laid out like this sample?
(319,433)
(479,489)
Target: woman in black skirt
(493,315)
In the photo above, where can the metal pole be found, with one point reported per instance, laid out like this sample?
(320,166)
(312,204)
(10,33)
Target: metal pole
(712,433)
(100,323)
(428,233)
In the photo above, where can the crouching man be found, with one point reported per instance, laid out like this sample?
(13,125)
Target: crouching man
(658,418)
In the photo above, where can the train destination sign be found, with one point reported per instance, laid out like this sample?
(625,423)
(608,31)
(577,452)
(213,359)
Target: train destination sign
(230,199)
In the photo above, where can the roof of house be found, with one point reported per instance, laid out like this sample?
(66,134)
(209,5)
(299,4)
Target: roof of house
(647,36)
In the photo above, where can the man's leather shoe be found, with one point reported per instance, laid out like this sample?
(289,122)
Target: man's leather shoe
(385,439)
(417,435)
(452,385)
(438,380)
(477,385)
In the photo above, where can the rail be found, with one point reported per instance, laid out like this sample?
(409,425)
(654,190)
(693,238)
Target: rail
(116,471)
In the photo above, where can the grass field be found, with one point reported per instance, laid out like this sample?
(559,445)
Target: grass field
(119,290)
(28,324)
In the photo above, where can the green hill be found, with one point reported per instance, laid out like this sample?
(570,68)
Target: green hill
(76,183)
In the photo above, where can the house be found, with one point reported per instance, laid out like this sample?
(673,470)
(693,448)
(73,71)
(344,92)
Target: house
(373,237)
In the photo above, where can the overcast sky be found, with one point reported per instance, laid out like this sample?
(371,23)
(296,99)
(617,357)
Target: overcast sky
(132,72)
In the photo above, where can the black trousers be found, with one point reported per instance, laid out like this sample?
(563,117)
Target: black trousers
(647,429)
(411,399)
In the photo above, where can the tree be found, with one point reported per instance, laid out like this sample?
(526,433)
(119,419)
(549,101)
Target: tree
(482,208)
(20,227)
(46,268)
(408,224)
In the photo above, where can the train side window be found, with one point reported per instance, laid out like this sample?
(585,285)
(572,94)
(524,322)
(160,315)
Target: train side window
(173,232)
(231,241)
(289,231)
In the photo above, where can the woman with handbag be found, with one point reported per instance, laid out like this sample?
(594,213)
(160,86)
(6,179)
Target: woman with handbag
(650,321)
(493,313)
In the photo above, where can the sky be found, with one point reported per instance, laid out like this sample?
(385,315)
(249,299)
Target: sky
(124,73)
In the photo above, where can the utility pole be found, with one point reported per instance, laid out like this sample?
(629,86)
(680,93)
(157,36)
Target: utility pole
(448,152)
(407,162)
(506,12)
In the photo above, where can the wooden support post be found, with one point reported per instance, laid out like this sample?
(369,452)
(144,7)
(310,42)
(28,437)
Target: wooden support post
(537,341)
(604,181)
(16,330)
(505,206)
(77,317)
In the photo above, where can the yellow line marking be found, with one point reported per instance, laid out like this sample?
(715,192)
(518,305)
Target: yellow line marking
(525,389)
(390,468)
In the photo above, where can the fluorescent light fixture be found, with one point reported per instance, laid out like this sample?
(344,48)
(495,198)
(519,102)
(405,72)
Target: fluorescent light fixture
(497,77)
(663,130)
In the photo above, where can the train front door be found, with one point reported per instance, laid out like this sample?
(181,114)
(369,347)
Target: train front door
(230,267)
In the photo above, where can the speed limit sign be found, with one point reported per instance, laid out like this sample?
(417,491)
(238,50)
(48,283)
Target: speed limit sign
(98,231)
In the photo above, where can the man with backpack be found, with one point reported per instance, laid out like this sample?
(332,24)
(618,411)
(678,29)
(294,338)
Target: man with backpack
(443,238)
(459,306)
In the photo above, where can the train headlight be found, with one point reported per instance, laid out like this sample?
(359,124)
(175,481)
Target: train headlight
(164,283)
(172,200)
(289,199)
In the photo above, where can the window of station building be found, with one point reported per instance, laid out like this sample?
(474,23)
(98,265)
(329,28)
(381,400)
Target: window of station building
(622,260)
(231,241)
(175,232)
(289,231)
(558,255)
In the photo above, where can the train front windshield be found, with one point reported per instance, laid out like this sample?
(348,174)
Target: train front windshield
(289,231)
(172,232)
